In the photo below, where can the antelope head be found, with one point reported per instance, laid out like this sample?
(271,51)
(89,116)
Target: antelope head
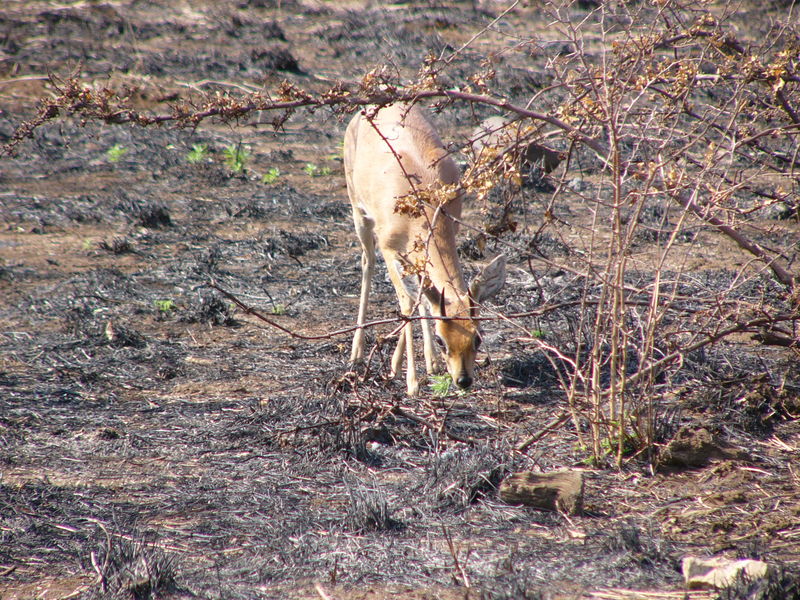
(458,335)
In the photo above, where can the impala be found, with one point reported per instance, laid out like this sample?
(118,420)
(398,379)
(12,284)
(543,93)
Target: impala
(403,187)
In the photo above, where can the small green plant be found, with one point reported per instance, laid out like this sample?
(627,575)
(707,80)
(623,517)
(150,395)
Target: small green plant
(609,447)
(313,170)
(164,306)
(271,176)
(198,153)
(440,384)
(538,334)
(278,309)
(630,443)
(236,157)
(339,154)
(114,153)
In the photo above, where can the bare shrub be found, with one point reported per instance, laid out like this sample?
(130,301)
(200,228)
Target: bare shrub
(693,133)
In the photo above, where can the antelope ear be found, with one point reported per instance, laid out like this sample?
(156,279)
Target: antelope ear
(489,281)
(436,298)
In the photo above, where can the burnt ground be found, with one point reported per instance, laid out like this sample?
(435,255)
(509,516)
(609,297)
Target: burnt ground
(155,442)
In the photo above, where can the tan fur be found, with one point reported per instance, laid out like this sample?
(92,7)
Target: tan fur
(387,157)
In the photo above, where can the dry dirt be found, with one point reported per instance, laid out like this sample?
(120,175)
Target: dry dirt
(156,442)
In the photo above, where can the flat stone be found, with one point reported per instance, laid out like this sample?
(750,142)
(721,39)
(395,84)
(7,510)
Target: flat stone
(557,491)
(719,572)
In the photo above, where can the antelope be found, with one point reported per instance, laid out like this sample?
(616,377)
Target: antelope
(392,158)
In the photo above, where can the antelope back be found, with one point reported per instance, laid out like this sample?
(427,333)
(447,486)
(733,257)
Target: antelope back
(392,153)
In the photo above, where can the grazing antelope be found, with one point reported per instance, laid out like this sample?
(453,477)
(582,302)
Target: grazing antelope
(392,159)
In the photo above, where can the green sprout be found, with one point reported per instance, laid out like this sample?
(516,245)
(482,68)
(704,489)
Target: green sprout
(271,176)
(313,170)
(198,153)
(114,153)
(440,385)
(236,157)
(339,154)
(164,306)
(279,309)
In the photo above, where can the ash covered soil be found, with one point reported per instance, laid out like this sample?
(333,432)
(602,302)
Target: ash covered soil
(156,442)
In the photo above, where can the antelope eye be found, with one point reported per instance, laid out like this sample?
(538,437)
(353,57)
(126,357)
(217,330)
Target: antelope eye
(440,343)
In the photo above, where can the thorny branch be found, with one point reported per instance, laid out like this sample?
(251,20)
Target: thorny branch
(400,319)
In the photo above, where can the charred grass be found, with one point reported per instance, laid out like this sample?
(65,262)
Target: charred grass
(157,443)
